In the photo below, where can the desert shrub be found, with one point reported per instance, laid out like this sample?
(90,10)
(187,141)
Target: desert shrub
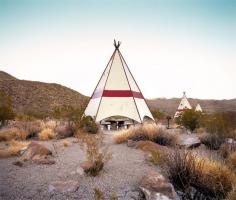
(74,117)
(89,125)
(98,194)
(190,119)
(221,124)
(13,148)
(97,151)
(12,134)
(30,128)
(165,138)
(212,141)
(158,114)
(210,179)
(200,130)
(114,196)
(146,132)
(50,124)
(6,108)
(20,131)
(225,150)
(231,160)
(136,133)
(46,134)
(66,143)
(154,150)
(24,117)
(232,194)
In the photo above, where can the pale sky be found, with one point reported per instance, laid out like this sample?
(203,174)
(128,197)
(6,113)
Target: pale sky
(170,46)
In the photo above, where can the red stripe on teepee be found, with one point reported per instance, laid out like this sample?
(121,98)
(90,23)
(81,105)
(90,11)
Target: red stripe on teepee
(121,93)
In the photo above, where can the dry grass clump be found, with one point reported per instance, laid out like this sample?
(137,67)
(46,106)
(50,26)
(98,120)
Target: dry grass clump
(212,141)
(51,124)
(98,194)
(11,134)
(136,133)
(46,134)
(66,143)
(165,138)
(210,179)
(146,132)
(97,152)
(20,130)
(13,148)
(231,161)
(155,151)
(232,195)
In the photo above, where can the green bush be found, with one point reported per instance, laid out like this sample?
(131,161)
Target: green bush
(223,124)
(190,119)
(89,125)
(158,114)
(6,108)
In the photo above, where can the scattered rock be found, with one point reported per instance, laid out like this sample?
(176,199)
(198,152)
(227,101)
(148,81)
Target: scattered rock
(156,187)
(190,143)
(63,131)
(44,160)
(18,163)
(63,186)
(129,193)
(86,165)
(80,171)
(35,149)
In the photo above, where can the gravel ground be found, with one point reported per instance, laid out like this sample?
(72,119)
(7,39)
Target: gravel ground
(121,174)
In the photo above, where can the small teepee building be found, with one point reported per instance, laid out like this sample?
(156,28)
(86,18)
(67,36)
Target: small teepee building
(184,105)
(117,96)
(198,108)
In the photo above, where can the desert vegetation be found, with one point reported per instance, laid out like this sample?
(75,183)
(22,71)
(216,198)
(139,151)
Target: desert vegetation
(198,177)
(148,131)
(193,175)
(97,152)
(6,108)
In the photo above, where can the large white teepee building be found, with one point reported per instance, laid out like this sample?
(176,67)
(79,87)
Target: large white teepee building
(184,105)
(198,108)
(117,93)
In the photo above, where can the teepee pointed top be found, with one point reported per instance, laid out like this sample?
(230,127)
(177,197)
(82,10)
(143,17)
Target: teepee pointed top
(117,45)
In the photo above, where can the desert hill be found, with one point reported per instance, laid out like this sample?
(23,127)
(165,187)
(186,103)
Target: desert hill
(38,97)
(170,105)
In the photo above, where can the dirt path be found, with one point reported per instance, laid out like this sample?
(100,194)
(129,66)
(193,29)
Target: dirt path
(121,174)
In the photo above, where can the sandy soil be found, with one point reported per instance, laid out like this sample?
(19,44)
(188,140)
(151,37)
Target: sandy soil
(121,174)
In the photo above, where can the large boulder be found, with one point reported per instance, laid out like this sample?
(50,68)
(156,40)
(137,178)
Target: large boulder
(63,186)
(190,142)
(63,131)
(35,150)
(156,187)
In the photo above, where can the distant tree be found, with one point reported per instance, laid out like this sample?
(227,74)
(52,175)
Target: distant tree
(190,119)
(68,113)
(6,108)
(221,123)
(158,114)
